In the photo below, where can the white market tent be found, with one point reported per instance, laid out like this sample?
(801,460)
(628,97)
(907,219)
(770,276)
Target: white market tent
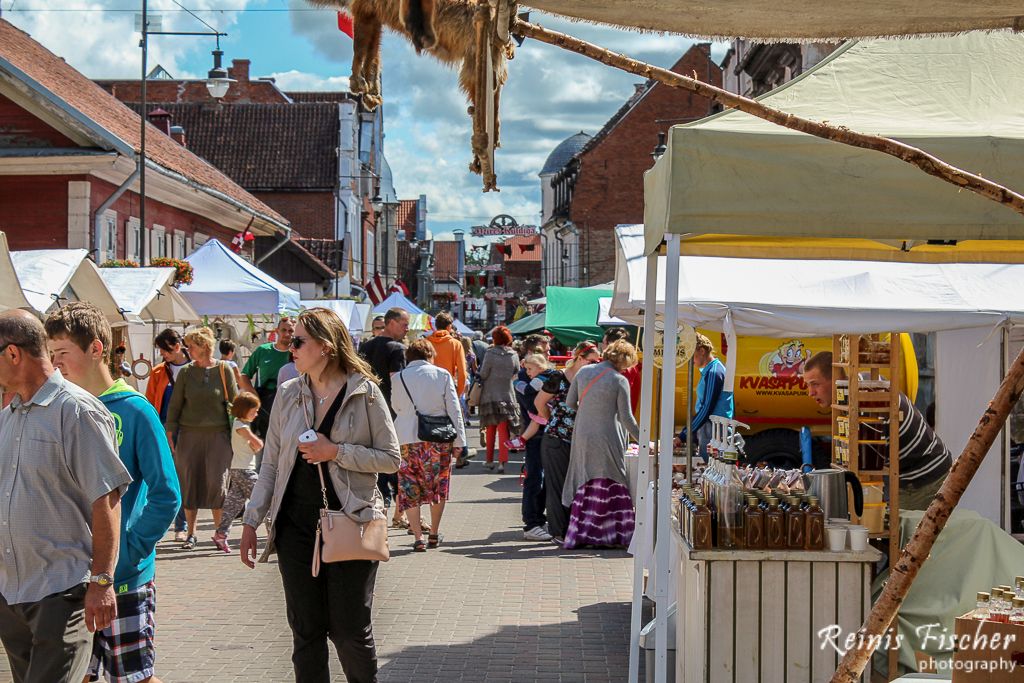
(225,284)
(351,313)
(604,317)
(149,293)
(958,97)
(463,328)
(418,318)
(791,19)
(360,316)
(49,277)
(11,295)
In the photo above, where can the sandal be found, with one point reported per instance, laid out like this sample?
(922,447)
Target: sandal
(221,542)
(190,543)
(419,546)
(399,524)
(434,540)
(424,528)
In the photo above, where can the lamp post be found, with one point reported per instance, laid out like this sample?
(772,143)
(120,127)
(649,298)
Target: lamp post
(217,83)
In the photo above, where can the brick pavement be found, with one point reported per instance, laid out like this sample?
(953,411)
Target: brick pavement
(485,607)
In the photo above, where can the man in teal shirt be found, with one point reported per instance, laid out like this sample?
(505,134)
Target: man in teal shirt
(80,341)
(260,372)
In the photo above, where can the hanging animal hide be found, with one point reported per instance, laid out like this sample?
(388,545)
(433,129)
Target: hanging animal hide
(470,34)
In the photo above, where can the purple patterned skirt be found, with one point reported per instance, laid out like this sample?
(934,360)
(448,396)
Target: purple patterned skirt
(601,515)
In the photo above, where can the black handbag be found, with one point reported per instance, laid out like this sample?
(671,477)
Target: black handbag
(432,428)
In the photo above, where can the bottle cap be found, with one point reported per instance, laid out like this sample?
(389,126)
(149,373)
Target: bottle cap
(813,500)
(1018,602)
(983,597)
(997,593)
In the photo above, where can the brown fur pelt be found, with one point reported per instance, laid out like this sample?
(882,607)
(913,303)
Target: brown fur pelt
(443,28)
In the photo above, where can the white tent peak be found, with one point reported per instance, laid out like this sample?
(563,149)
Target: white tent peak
(48,276)
(149,293)
(224,283)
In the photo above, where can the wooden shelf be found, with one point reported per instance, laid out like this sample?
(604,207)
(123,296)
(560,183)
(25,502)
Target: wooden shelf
(864,366)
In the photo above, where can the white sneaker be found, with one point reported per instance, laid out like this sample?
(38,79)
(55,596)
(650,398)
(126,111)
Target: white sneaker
(537,533)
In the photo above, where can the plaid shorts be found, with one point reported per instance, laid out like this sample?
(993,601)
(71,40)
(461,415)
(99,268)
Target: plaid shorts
(125,651)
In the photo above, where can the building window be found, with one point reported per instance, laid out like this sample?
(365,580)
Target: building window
(179,245)
(159,243)
(108,237)
(133,240)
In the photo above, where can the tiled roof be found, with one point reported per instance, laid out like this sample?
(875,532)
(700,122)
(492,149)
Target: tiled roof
(327,252)
(91,101)
(263,146)
(564,152)
(407,217)
(523,249)
(330,96)
(446,260)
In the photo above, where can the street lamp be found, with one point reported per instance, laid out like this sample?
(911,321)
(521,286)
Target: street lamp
(217,82)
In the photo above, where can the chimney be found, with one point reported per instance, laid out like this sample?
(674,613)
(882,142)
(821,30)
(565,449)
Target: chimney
(178,135)
(161,119)
(639,88)
(239,70)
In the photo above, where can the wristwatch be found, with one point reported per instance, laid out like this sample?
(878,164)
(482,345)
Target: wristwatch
(102,579)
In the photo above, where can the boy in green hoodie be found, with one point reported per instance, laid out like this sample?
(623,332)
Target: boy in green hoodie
(80,340)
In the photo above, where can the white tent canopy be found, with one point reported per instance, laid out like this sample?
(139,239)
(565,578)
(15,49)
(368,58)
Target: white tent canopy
(604,317)
(462,327)
(781,298)
(223,283)
(418,318)
(51,275)
(149,293)
(11,295)
(360,315)
(351,313)
(959,97)
(791,19)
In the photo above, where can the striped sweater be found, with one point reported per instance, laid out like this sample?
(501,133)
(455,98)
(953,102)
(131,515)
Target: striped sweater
(923,456)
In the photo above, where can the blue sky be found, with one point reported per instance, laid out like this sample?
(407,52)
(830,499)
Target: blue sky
(550,95)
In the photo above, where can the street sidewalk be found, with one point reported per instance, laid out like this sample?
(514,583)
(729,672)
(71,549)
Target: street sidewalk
(485,607)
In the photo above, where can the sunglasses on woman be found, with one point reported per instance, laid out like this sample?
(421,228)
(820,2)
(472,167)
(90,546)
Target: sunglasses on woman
(297,342)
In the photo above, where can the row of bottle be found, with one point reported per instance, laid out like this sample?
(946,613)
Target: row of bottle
(760,522)
(1003,604)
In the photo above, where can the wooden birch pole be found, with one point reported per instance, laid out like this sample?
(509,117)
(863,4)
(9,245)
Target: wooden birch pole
(927,163)
(916,551)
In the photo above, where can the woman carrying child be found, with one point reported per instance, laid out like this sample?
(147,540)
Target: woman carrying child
(242,475)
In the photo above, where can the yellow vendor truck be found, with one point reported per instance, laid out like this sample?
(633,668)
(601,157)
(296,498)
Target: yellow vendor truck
(771,397)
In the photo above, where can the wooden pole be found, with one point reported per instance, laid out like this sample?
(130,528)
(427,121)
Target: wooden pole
(902,574)
(929,164)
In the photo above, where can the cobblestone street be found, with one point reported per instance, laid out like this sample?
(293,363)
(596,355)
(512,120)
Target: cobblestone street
(486,606)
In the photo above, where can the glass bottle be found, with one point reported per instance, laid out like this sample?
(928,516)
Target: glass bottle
(995,607)
(1017,612)
(775,526)
(701,525)
(815,534)
(796,525)
(981,608)
(1019,583)
(753,525)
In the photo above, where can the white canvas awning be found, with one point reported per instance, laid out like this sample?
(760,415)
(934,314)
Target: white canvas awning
(348,310)
(49,277)
(791,19)
(781,298)
(418,318)
(11,295)
(604,317)
(959,97)
(149,293)
(360,316)
(223,283)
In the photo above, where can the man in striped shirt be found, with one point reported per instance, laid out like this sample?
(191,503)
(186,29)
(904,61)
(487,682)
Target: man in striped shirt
(712,399)
(924,459)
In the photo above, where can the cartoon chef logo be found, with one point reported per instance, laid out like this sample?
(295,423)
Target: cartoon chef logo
(787,360)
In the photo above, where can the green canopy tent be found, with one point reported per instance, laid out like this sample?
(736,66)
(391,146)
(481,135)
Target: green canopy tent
(572,313)
(528,324)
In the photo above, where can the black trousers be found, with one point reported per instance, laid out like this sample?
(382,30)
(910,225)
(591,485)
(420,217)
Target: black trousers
(335,605)
(387,484)
(554,453)
(47,641)
(533,486)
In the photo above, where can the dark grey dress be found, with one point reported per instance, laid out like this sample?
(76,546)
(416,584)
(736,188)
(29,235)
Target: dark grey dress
(497,395)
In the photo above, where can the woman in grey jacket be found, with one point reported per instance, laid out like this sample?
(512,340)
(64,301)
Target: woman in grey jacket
(499,410)
(337,395)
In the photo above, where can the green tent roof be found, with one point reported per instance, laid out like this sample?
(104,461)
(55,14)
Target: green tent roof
(572,313)
(528,324)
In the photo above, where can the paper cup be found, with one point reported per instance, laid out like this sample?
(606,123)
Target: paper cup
(858,537)
(838,521)
(836,538)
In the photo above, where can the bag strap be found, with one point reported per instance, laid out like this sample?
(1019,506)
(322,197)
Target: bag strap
(407,393)
(591,383)
(320,470)
(223,382)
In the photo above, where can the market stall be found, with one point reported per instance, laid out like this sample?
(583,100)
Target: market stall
(49,277)
(225,284)
(11,295)
(571,313)
(528,324)
(418,318)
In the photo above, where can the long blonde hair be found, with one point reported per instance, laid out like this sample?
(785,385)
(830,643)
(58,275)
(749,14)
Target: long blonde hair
(327,329)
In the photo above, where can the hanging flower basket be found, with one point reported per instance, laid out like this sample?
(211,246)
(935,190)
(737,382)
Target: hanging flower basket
(183,269)
(119,263)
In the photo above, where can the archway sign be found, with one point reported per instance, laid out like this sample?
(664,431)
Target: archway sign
(503,224)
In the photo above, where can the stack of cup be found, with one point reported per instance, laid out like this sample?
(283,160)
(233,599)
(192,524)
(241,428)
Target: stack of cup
(858,537)
(836,534)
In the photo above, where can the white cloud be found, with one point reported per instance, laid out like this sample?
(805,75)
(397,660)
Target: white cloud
(302,81)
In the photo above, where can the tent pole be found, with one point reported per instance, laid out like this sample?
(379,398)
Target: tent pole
(927,163)
(668,390)
(643,466)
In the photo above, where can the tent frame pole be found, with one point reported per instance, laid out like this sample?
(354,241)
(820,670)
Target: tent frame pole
(914,156)
(643,467)
(662,555)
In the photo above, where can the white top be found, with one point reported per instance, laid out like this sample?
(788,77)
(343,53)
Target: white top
(434,392)
(243,457)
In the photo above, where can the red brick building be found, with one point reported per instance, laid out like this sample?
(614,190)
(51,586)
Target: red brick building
(601,185)
(69,162)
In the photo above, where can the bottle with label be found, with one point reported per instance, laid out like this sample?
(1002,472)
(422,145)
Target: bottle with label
(814,537)
(775,526)
(1017,612)
(753,525)
(796,525)
(1019,582)
(981,612)
(996,611)
(701,525)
